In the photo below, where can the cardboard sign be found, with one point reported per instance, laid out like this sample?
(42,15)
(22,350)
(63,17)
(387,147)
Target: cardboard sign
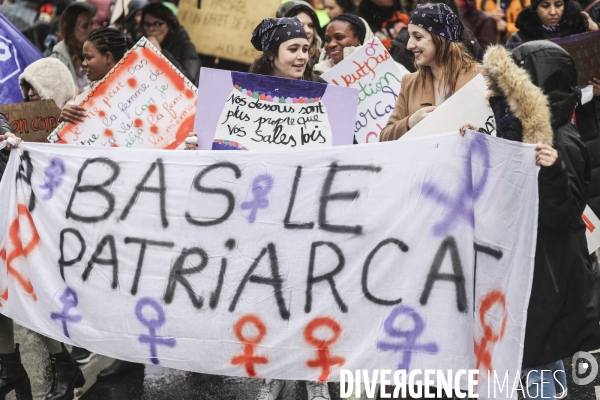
(374,73)
(467,106)
(144,101)
(32,121)
(585,50)
(239,111)
(223,28)
(288,265)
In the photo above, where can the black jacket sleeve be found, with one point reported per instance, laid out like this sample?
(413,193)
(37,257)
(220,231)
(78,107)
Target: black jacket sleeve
(563,186)
(184,57)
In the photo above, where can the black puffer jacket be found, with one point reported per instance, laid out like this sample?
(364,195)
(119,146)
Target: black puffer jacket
(4,154)
(530,25)
(564,307)
(179,49)
(588,124)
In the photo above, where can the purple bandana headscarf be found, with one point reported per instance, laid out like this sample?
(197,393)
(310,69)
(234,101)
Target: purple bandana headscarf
(272,32)
(438,19)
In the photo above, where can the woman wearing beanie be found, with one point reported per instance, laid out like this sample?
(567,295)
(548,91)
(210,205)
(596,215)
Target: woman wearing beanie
(551,19)
(443,67)
(310,21)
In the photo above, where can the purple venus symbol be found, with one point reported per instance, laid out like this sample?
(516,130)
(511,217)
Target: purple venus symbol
(53,176)
(409,344)
(261,186)
(151,339)
(461,206)
(69,300)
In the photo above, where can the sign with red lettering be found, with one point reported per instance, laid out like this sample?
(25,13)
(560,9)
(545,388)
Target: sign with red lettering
(144,101)
(32,121)
(372,71)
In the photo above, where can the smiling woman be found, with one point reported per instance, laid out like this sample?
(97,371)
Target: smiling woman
(443,67)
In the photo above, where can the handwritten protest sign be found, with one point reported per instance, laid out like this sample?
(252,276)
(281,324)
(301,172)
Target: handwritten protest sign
(223,28)
(32,121)
(467,106)
(374,73)
(144,101)
(310,261)
(585,50)
(239,111)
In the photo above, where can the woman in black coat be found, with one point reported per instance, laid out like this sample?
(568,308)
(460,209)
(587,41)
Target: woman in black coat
(162,29)
(550,19)
(564,307)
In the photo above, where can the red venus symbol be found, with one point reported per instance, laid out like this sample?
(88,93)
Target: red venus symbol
(248,359)
(324,360)
(15,237)
(482,354)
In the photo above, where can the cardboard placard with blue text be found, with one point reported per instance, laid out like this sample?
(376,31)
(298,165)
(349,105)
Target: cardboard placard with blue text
(372,71)
(286,264)
(144,101)
(239,111)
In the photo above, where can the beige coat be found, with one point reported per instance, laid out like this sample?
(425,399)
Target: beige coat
(412,98)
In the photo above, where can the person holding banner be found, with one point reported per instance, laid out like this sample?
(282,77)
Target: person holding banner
(564,307)
(163,30)
(444,66)
(102,50)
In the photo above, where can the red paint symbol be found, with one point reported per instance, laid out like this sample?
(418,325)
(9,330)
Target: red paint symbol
(248,359)
(132,82)
(370,49)
(108,132)
(590,227)
(152,108)
(482,353)
(154,129)
(101,113)
(137,123)
(324,360)
(14,234)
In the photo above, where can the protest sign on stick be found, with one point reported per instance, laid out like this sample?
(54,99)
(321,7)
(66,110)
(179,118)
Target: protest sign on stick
(144,101)
(354,257)
(239,111)
(467,106)
(223,28)
(32,121)
(374,73)
(585,50)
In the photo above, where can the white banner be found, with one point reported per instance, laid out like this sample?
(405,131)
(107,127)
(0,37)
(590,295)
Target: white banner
(372,71)
(291,265)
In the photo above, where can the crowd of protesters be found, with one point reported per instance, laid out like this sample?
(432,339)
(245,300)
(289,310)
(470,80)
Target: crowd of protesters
(440,45)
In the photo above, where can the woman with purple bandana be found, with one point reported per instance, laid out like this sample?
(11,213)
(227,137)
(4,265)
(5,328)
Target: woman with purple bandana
(443,67)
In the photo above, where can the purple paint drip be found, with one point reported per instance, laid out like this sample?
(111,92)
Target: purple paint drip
(69,300)
(261,186)
(410,337)
(461,206)
(53,176)
(151,339)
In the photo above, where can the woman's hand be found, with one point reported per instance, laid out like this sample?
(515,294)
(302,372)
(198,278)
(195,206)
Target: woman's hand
(191,142)
(592,25)
(72,113)
(13,139)
(595,82)
(154,42)
(463,129)
(546,155)
(419,115)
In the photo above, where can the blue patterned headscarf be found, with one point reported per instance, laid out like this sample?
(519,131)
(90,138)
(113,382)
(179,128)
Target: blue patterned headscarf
(272,32)
(438,19)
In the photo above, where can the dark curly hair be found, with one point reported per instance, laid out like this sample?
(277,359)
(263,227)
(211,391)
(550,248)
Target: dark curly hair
(109,40)
(263,65)
(67,24)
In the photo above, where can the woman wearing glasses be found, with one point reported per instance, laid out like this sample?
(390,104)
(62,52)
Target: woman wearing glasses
(76,22)
(162,29)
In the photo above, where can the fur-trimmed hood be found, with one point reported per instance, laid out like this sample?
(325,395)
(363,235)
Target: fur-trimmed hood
(525,100)
(530,25)
(50,79)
